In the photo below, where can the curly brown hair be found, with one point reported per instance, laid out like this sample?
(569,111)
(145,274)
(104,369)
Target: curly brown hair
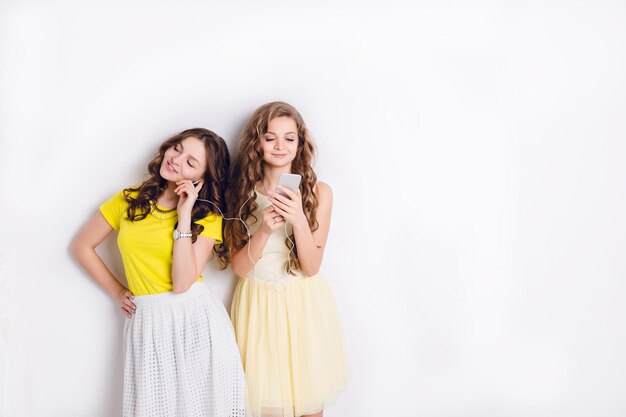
(247,169)
(142,199)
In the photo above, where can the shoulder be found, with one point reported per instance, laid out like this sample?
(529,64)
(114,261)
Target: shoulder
(324,192)
(119,198)
(114,208)
(321,188)
(131,192)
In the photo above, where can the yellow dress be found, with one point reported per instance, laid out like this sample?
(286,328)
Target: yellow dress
(289,334)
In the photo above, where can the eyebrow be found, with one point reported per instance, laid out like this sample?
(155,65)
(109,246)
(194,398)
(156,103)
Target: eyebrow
(272,133)
(190,156)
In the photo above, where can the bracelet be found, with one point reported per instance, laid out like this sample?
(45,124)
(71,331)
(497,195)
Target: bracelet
(178,235)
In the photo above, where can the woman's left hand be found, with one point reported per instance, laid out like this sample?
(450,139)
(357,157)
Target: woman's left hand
(187,195)
(289,207)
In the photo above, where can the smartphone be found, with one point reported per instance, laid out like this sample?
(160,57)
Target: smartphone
(291,181)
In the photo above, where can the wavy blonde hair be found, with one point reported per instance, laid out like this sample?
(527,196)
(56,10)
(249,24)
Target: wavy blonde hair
(247,169)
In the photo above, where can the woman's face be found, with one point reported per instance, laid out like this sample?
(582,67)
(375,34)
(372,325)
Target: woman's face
(184,161)
(280,142)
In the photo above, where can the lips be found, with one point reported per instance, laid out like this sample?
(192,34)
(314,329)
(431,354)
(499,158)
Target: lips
(171,168)
(279,155)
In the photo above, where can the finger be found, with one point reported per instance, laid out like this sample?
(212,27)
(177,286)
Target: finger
(185,190)
(278,197)
(188,185)
(282,206)
(282,212)
(129,304)
(130,296)
(126,312)
(276,219)
(191,189)
(290,194)
(279,223)
(268,209)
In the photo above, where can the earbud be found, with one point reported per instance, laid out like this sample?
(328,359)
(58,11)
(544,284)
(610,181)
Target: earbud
(196,182)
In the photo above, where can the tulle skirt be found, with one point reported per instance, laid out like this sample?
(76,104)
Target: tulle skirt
(181,359)
(291,345)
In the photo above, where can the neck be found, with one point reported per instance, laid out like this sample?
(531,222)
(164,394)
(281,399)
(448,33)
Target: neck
(271,175)
(168,196)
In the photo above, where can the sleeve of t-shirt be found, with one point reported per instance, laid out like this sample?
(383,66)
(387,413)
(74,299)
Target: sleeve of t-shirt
(114,209)
(212,227)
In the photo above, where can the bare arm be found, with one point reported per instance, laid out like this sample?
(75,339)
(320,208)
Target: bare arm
(189,259)
(83,247)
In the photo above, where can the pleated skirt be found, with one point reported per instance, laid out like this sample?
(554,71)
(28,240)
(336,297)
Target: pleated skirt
(181,358)
(291,345)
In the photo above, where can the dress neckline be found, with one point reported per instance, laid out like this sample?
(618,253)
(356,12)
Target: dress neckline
(259,193)
(162,213)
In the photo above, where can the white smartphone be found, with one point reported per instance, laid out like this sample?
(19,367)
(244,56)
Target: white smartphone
(291,181)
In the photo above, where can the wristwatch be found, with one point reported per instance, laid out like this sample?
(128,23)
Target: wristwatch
(178,235)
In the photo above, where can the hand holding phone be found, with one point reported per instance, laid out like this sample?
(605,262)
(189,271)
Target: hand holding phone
(288,207)
(291,181)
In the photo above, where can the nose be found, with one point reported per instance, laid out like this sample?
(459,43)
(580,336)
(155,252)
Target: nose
(278,143)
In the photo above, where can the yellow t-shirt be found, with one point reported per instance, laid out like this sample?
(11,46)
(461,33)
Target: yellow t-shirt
(147,245)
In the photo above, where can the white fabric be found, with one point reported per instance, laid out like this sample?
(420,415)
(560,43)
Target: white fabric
(181,359)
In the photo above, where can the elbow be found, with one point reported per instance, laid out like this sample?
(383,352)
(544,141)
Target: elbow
(237,270)
(309,272)
(180,288)
(76,248)
(181,284)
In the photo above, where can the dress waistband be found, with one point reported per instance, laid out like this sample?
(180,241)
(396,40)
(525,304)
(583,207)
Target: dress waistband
(196,289)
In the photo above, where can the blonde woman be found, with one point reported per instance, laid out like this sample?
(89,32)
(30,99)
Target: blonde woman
(284,314)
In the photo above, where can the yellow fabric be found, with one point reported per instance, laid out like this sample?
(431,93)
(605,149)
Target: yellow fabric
(291,346)
(289,335)
(146,245)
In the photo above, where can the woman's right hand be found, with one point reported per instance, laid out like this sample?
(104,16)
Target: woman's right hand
(271,220)
(125,301)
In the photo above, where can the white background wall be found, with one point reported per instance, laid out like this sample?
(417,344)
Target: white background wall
(477,154)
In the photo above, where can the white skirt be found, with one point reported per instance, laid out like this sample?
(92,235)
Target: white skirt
(181,359)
